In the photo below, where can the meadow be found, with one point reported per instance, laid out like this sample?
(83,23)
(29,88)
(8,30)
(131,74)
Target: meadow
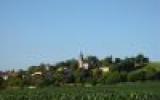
(121,91)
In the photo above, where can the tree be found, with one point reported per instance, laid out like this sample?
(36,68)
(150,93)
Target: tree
(136,76)
(113,77)
(157,75)
(69,76)
(141,59)
(123,76)
(97,76)
(146,60)
(14,82)
(125,65)
(42,67)
(61,64)
(128,64)
(72,63)
(151,73)
(21,73)
(48,78)
(52,68)
(117,60)
(107,61)
(82,75)
(27,80)
(1,83)
(93,62)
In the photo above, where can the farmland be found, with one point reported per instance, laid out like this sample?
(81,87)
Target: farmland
(121,91)
(125,79)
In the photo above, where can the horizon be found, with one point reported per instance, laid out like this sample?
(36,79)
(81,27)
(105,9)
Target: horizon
(34,32)
(77,58)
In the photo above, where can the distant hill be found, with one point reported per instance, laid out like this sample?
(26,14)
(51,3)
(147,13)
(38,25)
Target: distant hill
(155,65)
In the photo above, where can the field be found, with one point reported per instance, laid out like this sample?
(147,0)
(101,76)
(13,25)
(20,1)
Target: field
(127,91)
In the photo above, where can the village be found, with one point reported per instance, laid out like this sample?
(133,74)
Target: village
(88,70)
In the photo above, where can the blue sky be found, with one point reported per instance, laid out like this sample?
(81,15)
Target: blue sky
(36,31)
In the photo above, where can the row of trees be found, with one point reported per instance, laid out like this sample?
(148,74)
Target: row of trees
(139,61)
(67,72)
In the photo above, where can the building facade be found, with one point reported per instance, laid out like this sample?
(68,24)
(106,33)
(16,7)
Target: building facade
(82,63)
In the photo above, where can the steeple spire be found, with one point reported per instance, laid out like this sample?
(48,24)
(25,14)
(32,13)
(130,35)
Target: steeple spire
(80,60)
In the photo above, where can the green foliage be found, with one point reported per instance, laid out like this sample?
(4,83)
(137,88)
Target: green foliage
(155,65)
(2,83)
(113,77)
(14,82)
(141,59)
(150,73)
(125,65)
(82,76)
(117,60)
(93,61)
(41,67)
(136,76)
(138,91)
(67,72)
(107,61)
(97,76)
(71,63)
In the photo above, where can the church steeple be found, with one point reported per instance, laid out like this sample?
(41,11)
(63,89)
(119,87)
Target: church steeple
(82,63)
(81,60)
(81,55)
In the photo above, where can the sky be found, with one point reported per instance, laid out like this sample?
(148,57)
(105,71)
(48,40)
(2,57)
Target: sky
(49,31)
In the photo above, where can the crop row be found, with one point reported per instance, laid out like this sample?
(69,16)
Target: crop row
(80,96)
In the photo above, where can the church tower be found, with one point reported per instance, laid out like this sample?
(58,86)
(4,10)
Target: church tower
(82,63)
(81,59)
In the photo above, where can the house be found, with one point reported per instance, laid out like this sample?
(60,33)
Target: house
(37,73)
(62,69)
(4,75)
(104,69)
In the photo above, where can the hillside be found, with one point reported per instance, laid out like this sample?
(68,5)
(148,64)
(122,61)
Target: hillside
(155,65)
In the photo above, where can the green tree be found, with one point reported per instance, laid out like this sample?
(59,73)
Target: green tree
(2,83)
(97,76)
(42,67)
(107,61)
(59,78)
(125,65)
(117,60)
(82,75)
(141,59)
(72,63)
(150,73)
(113,77)
(14,82)
(93,62)
(136,76)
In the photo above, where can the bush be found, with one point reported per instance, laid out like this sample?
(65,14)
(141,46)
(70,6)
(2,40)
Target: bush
(136,76)
(123,76)
(2,83)
(150,73)
(157,75)
(14,82)
(113,77)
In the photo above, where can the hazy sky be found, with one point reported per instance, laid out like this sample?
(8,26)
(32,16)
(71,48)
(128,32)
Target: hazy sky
(36,31)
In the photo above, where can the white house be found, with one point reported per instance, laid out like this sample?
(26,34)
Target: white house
(37,73)
(104,69)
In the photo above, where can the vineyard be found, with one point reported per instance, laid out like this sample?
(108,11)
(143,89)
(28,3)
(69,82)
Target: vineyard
(114,92)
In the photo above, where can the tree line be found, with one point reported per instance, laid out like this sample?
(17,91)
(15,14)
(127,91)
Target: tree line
(129,69)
